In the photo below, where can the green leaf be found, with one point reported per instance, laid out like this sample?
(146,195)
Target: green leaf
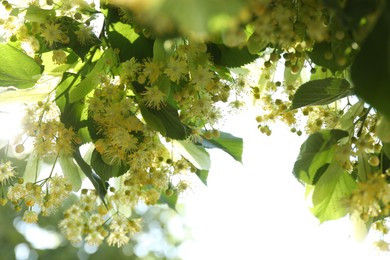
(26,96)
(386,149)
(315,152)
(256,44)
(33,168)
(203,175)
(104,170)
(152,120)
(71,171)
(36,14)
(231,57)
(129,44)
(231,144)
(71,115)
(92,79)
(334,186)
(320,92)
(289,77)
(195,154)
(370,71)
(347,120)
(322,49)
(211,15)
(159,54)
(169,200)
(363,167)
(20,164)
(96,181)
(17,68)
(166,121)
(382,129)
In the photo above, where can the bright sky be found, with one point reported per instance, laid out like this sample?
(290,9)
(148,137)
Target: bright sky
(257,210)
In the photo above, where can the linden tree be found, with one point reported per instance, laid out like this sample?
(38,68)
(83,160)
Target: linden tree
(122,99)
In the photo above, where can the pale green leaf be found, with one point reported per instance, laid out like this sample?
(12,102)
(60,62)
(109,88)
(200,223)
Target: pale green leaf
(360,227)
(334,186)
(231,144)
(25,96)
(256,44)
(33,168)
(291,77)
(203,175)
(71,171)
(36,14)
(347,120)
(92,80)
(195,154)
(17,68)
(382,129)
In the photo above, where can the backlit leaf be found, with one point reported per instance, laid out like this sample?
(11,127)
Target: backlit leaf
(17,68)
(71,171)
(203,175)
(231,144)
(315,152)
(93,78)
(334,186)
(321,92)
(195,154)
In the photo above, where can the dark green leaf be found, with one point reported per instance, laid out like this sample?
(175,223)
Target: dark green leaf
(231,57)
(96,181)
(166,121)
(231,144)
(71,115)
(320,92)
(62,90)
(315,152)
(370,72)
(386,149)
(318,174)
(104,170)
(322,50)
(17,68)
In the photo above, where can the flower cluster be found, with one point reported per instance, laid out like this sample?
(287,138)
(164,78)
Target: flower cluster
(88,219)
(42,197)
(126,107)
(50,136)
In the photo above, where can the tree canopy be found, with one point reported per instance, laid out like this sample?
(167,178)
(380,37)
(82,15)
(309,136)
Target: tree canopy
(123,99)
